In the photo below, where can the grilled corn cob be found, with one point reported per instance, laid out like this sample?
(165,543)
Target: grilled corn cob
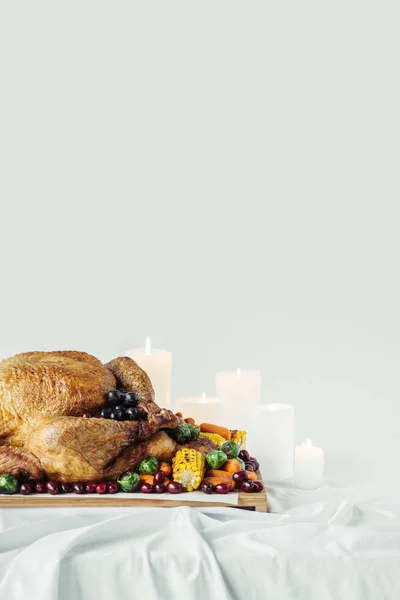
(239,436)
(215,438)
(188,468)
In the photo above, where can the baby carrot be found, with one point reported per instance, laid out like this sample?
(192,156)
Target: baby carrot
(210,428)
(232,466)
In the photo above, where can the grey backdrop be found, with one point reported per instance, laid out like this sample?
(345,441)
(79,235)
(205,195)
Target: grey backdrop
(222,177)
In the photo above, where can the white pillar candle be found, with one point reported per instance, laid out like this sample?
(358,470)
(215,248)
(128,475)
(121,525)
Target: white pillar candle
(271,440)
(203,409)
(157,364)
(241,390)
(309,466)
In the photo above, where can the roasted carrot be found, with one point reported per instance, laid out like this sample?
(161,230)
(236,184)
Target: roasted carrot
(166,467)
(252,475)
(210,428)
(232,466)
(147,479)
(190,420)
(217,480)
(219,473)
(179,414)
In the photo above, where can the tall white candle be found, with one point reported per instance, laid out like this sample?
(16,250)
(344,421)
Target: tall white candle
(157,364)
(241,390)
(309,466)
(203,409)
(271,440)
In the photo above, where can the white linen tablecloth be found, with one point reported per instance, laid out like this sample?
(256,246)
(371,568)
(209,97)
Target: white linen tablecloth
(330,549)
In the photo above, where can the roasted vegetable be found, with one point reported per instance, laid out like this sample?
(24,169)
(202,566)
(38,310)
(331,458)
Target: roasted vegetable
(216,459)
(129,481)
(210,428)
(216,439)
(239,436)
(231,449)
(166,467)
(188,468)
(147,479)
(185,433)
(217,480)
(219,473)
(232,466)
(8,484)
(148,466)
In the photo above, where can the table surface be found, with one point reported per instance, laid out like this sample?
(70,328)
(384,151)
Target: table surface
(332,543)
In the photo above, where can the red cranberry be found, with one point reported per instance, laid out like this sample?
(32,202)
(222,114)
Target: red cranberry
(91,487)
(52,487)
(159,488)
(258,486)
(65,487)
(146,488)
(222,488)
(207,487)
(244,455)
(78,488)
(159,477)
(86,415)
(113,488)
(240,476)
(40,487)
(101,488)
(174,487)
(250,467)
(247,486)
(25,489)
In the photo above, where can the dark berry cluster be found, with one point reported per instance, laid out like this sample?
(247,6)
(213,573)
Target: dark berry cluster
(250,462)
(122,406)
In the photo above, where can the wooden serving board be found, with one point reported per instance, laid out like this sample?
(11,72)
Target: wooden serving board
(256,502)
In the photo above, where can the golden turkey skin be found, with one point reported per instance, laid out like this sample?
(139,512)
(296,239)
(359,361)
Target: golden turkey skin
(42,432)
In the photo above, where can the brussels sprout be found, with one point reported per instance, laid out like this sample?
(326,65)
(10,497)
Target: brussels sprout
(230,448)
(185,433)
(195,429)
(148,466)
(216,459)
(129,481)
(8,484)
(241,463)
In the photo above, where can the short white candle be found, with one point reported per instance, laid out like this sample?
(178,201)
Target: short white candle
(157,364)
(309,466)
(203,409)
(241,390)
(271,440)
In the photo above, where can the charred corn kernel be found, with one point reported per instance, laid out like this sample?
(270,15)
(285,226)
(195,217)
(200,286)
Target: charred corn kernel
(215,438)
(239,436)
(188,468)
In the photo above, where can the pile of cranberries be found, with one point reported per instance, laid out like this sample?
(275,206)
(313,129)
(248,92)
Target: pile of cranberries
(250,462)
(160,486)
(54,488)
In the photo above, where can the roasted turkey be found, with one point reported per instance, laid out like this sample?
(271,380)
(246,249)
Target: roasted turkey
(42,432)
